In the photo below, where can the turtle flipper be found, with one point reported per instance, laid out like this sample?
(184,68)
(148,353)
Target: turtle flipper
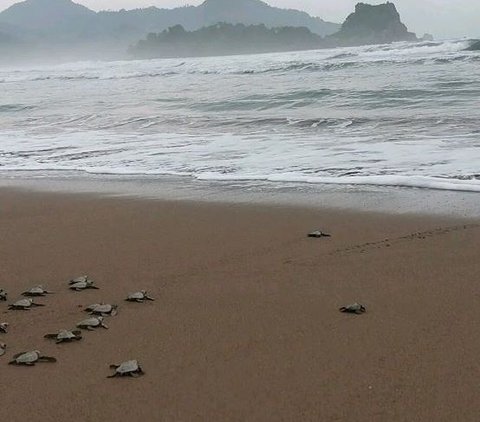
(104,326)
(112,366)
(149,298)
(50,336)
(93,287)
(46,359)
(38,304)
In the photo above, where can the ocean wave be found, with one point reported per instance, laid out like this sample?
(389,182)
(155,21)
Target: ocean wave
(9,108)
(438,183)
(324,61)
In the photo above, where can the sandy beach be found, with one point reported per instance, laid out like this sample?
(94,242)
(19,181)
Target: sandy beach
(245,326)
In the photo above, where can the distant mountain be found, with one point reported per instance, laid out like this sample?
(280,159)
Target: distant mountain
(47,15)
(63,22)
(63,30)
(370,24)
(225,39)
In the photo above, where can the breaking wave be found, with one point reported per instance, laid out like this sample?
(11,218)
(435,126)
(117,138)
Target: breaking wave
(402,115)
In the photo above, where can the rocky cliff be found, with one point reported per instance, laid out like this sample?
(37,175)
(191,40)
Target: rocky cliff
(370,24)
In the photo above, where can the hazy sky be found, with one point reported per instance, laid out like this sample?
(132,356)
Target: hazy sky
(443,18)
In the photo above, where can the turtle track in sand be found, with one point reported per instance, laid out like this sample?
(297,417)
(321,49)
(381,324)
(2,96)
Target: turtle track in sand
(417,236)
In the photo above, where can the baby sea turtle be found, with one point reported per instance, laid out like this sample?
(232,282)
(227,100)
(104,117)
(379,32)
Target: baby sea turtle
(130,368)
(140,297)
(36,292)
(30,358)
(3,348)
(92,323)
(103,309)
(82,285)
(318,234)
(24,305)
(65,336)
(355,308)
(4,327)
(3,295)
(80,279)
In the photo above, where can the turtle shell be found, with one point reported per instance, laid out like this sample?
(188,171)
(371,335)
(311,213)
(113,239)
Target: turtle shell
(82,279)
(79,285)
(136,296)
(128,367)
(23,303)
(103,309)
(89,322)
(92,307)
(356,308)
(28,357)
(65,335)
(35,291)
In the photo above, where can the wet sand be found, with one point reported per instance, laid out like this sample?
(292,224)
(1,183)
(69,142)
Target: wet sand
(245,326)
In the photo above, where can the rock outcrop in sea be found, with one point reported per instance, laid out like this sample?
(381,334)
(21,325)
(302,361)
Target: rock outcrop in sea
(372,24)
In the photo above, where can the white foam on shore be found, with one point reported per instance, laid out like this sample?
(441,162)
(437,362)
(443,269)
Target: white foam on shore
(437,183)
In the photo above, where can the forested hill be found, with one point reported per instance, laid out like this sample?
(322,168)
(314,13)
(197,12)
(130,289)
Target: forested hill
(223,39)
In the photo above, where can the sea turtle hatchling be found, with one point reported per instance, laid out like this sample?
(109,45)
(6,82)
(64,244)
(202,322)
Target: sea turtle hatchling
(82,285)
(92,323)
(140,297)
(65,336)
(355,308)
(24,305)
(3,348)
(30,358)
(4,327)
(103,309)
(318,233)
(3,295)
(36,291)
(80,279)
(130,368)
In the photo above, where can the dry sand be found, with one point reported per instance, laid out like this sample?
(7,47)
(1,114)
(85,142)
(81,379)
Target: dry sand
(245,326)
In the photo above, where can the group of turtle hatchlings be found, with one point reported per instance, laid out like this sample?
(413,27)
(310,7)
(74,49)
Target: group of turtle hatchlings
(97,311)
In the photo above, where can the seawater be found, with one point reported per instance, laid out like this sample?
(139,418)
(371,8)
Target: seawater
(391,115)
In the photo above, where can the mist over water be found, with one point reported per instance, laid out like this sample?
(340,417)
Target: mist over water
(396,115)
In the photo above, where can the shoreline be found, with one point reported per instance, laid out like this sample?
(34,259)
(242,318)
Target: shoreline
(352,198)
(245,325)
